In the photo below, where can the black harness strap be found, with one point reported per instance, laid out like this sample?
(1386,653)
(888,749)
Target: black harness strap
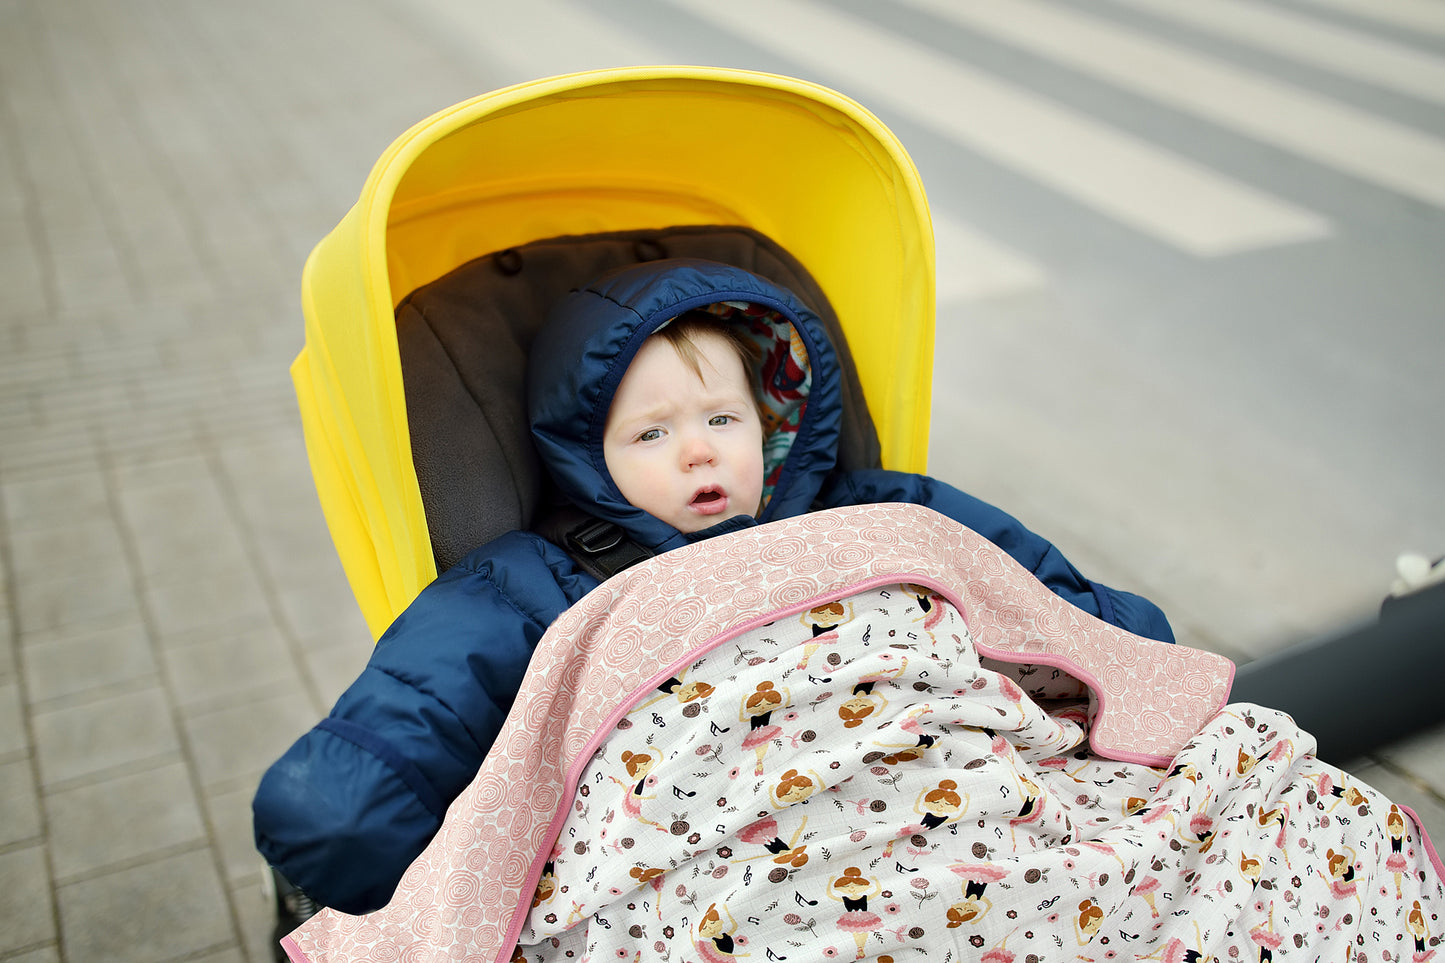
(601,548)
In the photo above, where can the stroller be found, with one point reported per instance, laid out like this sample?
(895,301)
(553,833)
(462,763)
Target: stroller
(421,307)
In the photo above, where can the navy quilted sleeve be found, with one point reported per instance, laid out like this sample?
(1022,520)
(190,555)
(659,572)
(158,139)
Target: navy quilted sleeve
(354,801)
(1124,609)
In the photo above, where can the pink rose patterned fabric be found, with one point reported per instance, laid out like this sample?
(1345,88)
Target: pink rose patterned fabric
(868,732)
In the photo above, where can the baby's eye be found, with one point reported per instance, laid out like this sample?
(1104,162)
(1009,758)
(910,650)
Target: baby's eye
(719,420)
(651,434)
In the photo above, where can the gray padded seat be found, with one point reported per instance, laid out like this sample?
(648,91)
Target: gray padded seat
(464,340)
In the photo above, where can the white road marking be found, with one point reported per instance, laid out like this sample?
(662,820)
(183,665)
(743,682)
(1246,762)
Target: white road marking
(1371,148)
(972,267)
(1151,189)
(1358,56)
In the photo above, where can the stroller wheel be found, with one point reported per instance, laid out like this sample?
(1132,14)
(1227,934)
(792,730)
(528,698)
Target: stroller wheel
(293,907)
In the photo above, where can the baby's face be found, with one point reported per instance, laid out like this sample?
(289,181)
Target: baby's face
(686,450)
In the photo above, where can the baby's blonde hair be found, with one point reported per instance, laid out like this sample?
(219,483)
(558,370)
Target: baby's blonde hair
(684,330)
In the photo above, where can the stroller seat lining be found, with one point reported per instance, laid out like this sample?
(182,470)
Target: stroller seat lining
(464,339)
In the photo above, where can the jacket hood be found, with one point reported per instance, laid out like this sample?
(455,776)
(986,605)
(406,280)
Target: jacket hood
(590,338)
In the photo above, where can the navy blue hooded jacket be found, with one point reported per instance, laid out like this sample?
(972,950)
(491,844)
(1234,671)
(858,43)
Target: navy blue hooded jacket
(348,807)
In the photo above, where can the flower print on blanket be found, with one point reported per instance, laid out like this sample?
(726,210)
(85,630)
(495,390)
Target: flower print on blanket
(887,793)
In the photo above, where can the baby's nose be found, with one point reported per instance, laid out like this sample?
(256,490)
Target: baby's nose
(697,450)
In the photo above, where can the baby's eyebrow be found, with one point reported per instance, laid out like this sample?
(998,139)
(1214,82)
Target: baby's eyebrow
(726,398)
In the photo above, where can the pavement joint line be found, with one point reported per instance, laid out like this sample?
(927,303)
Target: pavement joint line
(91,874)
(27,725)
(184,742)
(117,771)
(99,693)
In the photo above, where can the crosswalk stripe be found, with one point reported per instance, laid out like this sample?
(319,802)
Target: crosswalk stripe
(1423,15)
(1154,191)
(972,267)
(1372,148)
(1370,60)
(552,36)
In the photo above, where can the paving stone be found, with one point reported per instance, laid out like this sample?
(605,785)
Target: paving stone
(300,553)
(163,910)
(19,803)
(229,814)
(100,594)
(159,469)
(9,661)
(23,277)
(321,607)
(88,270)
(88,660)
(1423,755)
(233,746)
(228,668)
(41,553)
(12,724)
(100,736)
(217,603)
(43,450)
(335,664)
(181,529)
(255,907)
(46,954)
(231,954)
(25,900)
(115,820)
(78,498)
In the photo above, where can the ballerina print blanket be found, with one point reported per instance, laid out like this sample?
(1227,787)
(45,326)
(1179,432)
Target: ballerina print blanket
(868,733)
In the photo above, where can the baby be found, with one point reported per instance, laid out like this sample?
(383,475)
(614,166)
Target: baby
(677,400)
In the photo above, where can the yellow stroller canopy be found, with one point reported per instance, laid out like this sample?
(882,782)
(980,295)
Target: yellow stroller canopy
(602,151)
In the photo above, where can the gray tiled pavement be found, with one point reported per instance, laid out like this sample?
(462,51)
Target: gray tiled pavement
(173,612)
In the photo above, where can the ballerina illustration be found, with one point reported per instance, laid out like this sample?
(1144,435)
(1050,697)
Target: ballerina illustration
(1031,809)
(1280,815)
(940,805)
(893,665)
(716,943)
(1337,792)
(1250,867)
(684,692)
(1264,937)
(650,876)
(921,741)
(765,833)
(757,710)
(1200,830)
(930,604)
(794,787)
(823,620)
(1395,863)
(639,766)
(859,706)
(1147,889)
(1341,865)
(1419,931)
(853,889)
(975,905)
(1087,920)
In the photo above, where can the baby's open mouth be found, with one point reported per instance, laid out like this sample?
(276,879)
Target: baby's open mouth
(709,501)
